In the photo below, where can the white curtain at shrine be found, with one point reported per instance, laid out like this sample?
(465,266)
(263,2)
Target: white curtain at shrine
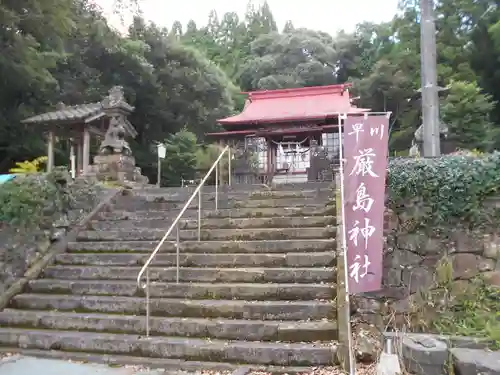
(293,155)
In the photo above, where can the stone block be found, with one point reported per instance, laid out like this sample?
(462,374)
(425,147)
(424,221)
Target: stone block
(467,342)
(492,278)
(392,276)
(424,354)
(492,246)
(417,278)
(465,266)
(468,241)
(368,344)
(461,288)
(475,361)
(420,243)
(401,258)
(391,221)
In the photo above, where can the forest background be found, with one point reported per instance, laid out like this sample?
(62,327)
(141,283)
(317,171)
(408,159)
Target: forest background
(182,79)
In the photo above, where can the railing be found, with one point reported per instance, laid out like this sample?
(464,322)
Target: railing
(175,224)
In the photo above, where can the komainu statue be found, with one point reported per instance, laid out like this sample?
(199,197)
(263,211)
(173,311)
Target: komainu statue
(114,140)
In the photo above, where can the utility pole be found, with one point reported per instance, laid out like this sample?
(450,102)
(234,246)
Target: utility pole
(430,98)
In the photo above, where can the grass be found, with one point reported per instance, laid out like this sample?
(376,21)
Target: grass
(473,309)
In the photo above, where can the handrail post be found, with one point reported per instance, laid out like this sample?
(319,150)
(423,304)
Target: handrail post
(229,166)
(216,186)
(148,307)
(199,215)
(178,250)
(175,225)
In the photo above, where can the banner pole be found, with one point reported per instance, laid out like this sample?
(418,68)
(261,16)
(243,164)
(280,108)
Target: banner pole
(345,351)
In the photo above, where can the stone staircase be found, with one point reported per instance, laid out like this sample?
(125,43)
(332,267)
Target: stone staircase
(256,290)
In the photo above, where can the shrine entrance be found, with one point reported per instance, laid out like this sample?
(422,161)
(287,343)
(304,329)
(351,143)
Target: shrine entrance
(287,136)
(292,158)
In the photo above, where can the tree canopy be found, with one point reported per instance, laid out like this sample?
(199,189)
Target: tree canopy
(182,79)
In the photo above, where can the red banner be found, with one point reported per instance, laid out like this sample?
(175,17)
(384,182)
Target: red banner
(366,145)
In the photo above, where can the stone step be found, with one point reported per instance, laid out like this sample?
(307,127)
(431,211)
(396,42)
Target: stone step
(273,222)
(214,275)
(324,193)
(229,309)
(210,247)
(141,234)
(173,366)
(320,210)
(171,347)
(182,197)
(223,223)
(227,329)
(249,188)
(306,211)
(283,202)
(256,292)
(130,204)
(179,200)
(318,259)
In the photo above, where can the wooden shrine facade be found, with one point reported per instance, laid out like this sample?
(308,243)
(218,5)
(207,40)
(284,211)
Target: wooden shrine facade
(77,124)
(287,136)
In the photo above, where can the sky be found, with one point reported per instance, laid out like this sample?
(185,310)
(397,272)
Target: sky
(325,15)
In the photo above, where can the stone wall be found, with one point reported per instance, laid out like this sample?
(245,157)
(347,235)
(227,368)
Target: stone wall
(21,247)
(417,260)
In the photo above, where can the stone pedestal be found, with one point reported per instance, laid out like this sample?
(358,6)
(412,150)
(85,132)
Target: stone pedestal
(447,146)
(118,168)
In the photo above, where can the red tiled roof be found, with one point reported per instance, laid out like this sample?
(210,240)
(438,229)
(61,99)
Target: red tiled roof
(308,103)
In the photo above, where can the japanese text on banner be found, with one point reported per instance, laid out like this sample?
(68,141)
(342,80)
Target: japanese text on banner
(365,145)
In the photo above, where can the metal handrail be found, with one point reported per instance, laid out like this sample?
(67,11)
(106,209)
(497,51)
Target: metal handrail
(175,224)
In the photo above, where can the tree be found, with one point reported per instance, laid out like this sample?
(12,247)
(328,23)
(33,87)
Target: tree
(191,29)
(182,88)
(205,158)
(176,31)
(485,48)
(288,28)
(466,111)
(32,38)
(180,157)
(190,76)
(213,26)
(301,58)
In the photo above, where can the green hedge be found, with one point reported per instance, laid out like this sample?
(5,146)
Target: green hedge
(448,188)
(31,200)
(37,200)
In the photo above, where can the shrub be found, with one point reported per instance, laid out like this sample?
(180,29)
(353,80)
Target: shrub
(448,188)
(28,201)
(37,200)
(33,166)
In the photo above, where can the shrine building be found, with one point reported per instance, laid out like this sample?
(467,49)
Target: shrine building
(288,135)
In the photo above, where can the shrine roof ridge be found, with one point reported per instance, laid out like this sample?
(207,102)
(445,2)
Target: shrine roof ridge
(298,92)
(75,112)
(87,112)
(318,103)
